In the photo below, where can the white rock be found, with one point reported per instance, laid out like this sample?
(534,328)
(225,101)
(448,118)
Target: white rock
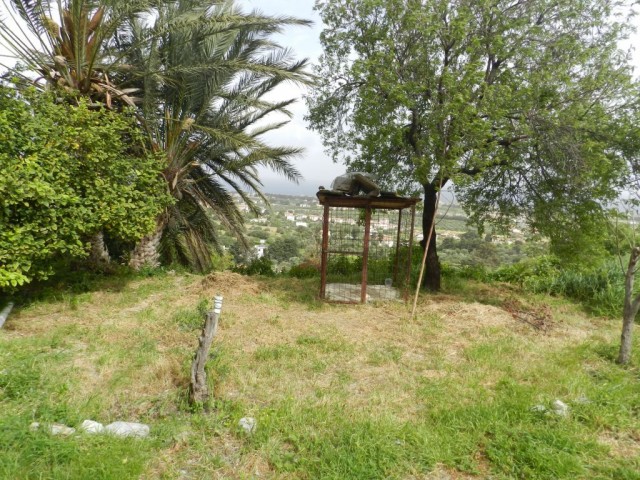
(34,426)
(59,429)
(560,408)
(539,408)
(89,426)
(248,424)
(128,429)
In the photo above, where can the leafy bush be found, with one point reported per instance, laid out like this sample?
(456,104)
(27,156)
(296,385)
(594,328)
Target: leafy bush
(221,262)
(600,289)
(68,172)
(257,266)
(306,269)
(469,272)
(283,249)
(533,274)
(344,265)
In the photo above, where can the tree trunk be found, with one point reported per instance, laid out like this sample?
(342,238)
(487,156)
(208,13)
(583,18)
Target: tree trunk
(624,356)
(631,306)
(198,390)
(431,279)
(99,253)
(146,251)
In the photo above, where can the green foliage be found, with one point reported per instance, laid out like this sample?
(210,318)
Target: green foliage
(600,289)
(258,233)
(531,273)
(471,249)
(68,173)
(206,84)
(467,272)
(344,265)
(257,266)
(529,108)
(221,262)
(201,71)
(305,269)
(283,249)
(74,53)
(582,239)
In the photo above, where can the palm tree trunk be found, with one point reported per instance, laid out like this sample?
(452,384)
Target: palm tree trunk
(99,253)
(147,250)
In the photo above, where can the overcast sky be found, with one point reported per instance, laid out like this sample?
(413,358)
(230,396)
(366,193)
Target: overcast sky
(315,166)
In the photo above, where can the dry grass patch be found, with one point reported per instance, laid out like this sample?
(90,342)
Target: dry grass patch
(621,444)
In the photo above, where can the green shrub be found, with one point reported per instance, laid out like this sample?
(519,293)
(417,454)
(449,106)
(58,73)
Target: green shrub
(307,269)
(257,266)
(468,272)
(534,274)
(600,289)
(221,262)
(344,265)
(69,172)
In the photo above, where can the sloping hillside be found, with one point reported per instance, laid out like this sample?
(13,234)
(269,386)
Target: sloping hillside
(465,390)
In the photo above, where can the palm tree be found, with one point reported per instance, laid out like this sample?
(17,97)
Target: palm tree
(204,82)
(69,43)
(204,69)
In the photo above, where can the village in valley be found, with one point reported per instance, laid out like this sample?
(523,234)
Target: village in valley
(289,230)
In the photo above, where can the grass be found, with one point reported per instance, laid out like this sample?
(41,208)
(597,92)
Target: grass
(342,392)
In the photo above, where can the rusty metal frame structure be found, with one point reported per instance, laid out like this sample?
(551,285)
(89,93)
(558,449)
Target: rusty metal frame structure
(331,200)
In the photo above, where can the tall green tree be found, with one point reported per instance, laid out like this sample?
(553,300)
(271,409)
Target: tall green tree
(206,80)
(283,249)
(520,105)
(68,172)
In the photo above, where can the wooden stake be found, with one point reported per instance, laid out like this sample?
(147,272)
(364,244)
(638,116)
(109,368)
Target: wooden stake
(198,391)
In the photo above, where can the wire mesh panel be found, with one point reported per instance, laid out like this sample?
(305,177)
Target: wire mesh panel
(389,254)
(345,255)
(366,251)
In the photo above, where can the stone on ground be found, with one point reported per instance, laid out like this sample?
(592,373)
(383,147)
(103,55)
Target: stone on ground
(128,429)
(248,424)
(89,426)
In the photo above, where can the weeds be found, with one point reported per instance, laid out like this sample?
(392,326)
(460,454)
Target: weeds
(600,290)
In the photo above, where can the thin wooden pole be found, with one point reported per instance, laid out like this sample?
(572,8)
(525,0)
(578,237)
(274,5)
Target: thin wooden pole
(365,255)
(395,263)
(325,252)
(426,250)
(407,273)
(199,392)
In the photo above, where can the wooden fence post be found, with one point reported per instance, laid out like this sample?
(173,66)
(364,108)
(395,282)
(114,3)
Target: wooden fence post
(198,391)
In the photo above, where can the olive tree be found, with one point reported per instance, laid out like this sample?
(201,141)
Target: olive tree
(513,103)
